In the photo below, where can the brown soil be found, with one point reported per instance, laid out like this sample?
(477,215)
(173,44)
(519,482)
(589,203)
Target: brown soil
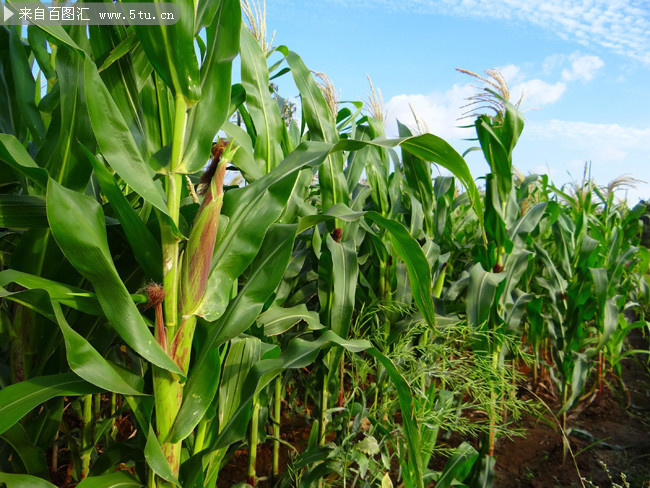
(295,431)
(613,431)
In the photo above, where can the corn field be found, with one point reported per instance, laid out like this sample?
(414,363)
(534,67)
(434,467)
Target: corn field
(185,264)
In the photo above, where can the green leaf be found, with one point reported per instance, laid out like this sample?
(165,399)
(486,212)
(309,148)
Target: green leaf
(37,41)
(338,272)
(209,114)
(125,46)
(320,120)
(155,457)
(340,211)
(116,142)
(315,110)
(242,356)
(22,211)
(416,263)
(70,296)
(25,85)
(31,456)
(580,364)
(77,223)
(368,445)
(146,249)
(85,361)
(17,400)
(24,481)
(170,48)
(262,108)
(480,295)
(527,223)
(119,479)
(434,149)
(458,465)
(59,36)
(418,176)
(65,161)
(121,79)
(15,155)
(277,320)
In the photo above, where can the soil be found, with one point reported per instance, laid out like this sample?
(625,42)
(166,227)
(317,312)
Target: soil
(608,437)
(294,431)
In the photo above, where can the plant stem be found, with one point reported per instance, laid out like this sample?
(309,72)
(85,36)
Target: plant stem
(252,442)
(87,435)
(566,442)
(600,374)
(324,400)
(424,340)
(277,406)
(168,389)
(493,398)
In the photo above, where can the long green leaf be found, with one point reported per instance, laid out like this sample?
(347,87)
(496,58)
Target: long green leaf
(77,224)
(15,155)
(155,457)
(434,149)
(24,481)
(17,400)
(85,361)
(480,295)
(70,296)
(65,161)
(22,211)
(277,320)
(146,249)
(116,142)
(119,479)
(25,85)
(411,427)
(170,48)
(209,114)
(262,108)
(416,263)
(31,456)
(320,120)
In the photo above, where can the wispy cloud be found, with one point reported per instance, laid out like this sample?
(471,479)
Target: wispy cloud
(583,68)
(563,147)
(622,26)
(603,143)
(443,111)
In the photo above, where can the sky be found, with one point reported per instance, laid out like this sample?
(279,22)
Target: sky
(583,67)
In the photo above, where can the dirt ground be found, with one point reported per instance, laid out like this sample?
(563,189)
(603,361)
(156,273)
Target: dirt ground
(608,437)
(613,433)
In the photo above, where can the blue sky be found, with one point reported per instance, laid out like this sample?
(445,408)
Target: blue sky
(583,66)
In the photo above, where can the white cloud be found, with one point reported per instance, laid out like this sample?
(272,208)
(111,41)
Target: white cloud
(440,111)
(622,26)
(538,93)
(443,111)
(582,68)
(565,146)
(605,142)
